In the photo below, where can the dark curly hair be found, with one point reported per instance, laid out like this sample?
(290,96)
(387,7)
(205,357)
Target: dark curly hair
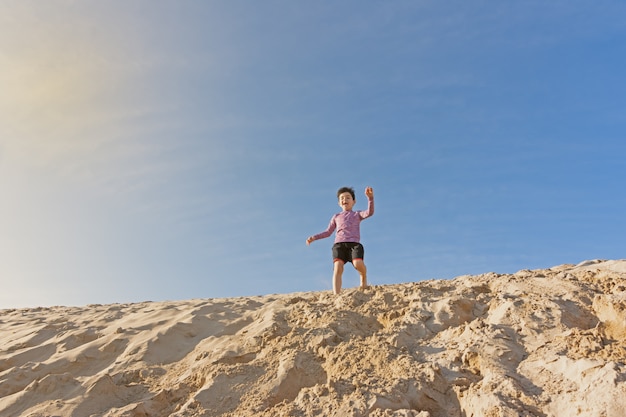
(346,190)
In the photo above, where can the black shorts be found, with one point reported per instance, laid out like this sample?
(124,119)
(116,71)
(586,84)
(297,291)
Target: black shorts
(348,251)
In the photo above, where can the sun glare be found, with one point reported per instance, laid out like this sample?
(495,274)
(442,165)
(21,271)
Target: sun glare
(53,76)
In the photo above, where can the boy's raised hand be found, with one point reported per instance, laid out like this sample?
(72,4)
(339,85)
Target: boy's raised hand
(369,192)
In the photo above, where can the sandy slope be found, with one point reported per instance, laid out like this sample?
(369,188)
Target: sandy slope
(535,343)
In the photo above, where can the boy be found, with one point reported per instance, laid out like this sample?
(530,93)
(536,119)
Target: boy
(347,247)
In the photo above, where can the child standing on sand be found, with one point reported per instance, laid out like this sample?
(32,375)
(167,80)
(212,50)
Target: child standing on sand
(347,247)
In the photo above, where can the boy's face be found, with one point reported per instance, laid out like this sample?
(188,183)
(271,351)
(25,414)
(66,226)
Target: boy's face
(346,202)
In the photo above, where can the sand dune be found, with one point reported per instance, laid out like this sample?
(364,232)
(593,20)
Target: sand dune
(536,343)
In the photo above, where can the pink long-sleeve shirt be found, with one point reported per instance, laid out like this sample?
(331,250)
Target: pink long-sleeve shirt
(347,224)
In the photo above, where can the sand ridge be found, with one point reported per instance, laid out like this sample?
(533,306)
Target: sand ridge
(535,343)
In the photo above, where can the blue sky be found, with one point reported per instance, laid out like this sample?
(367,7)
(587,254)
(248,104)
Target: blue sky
(160,150)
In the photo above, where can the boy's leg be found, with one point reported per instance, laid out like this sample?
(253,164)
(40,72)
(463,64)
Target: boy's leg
(359,265)
(337,273)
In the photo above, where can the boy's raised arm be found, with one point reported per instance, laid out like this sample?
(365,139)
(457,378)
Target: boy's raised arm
(369,193)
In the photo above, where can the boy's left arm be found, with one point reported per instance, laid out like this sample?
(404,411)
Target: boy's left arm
(369,193)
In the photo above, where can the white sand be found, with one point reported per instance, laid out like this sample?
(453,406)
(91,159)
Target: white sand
(535,343)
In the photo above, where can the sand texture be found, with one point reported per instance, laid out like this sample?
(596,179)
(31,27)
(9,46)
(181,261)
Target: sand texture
(535,343)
